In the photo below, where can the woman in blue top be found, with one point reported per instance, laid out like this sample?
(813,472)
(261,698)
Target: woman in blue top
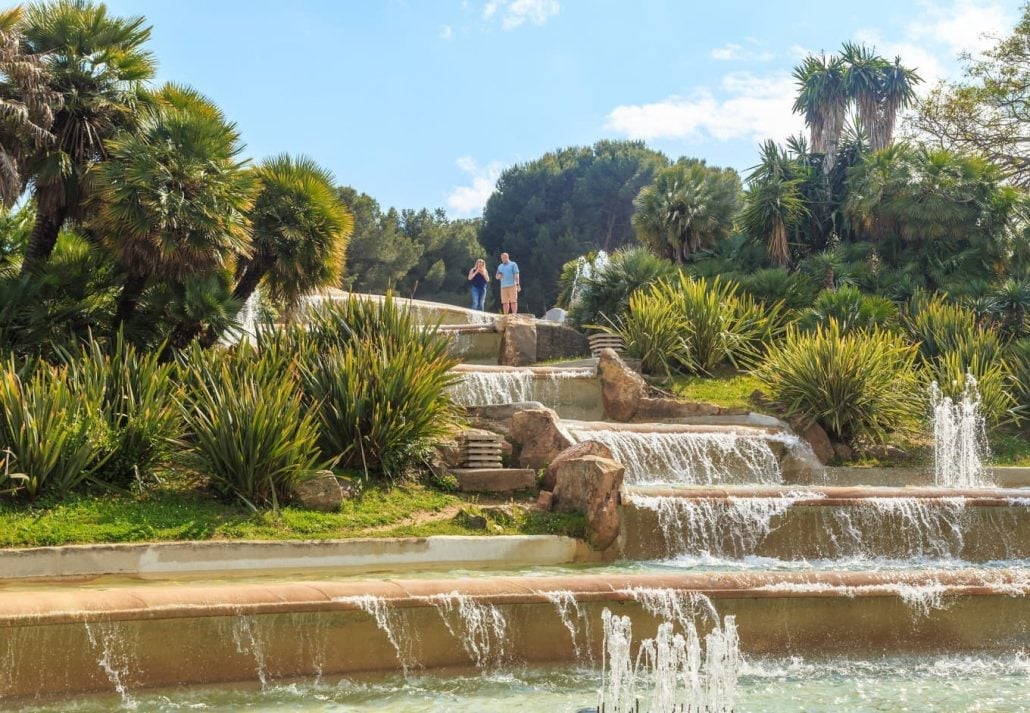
(478,277)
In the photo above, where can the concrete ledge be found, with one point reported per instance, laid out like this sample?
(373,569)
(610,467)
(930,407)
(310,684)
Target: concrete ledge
(825,496)
(495,480)
(184,559)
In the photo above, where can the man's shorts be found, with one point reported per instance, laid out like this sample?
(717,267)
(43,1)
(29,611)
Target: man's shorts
(509,294)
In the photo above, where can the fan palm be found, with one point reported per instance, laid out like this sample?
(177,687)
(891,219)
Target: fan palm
(26,105)
(688,206)
(97,64)
(172,196)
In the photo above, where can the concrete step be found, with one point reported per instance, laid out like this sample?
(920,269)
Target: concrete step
(495,480)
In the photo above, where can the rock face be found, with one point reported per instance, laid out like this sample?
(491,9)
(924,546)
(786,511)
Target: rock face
(590,484)
(660,408)
(586,448)
(518,340)
(621,387)
(322,492)
(497,417)
(537,437)
(557,341)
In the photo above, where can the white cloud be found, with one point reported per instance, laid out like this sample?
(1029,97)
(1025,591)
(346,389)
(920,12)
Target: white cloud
(731,51)
(965,26)
(514,13)
(446,32)
(468,201)
(746,106)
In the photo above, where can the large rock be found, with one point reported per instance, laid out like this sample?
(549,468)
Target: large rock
(816,437)
(590,484)
(586,448)
(323,491)
(621,387)
(518,340)
(537,436)
(497,417)
(558,341)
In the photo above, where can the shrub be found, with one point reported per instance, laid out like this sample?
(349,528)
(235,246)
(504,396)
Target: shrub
(952,370)
(939,326)
(605,295)
(379,382)
(776,284)
(249,425)
(858,386)
(138,408)
(851,310)
(1018,359)
(49,426)
(654,331)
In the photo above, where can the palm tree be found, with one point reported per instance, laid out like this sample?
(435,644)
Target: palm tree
(774,204)
(301,228)
(824,102)
(171,198)
(686,208)
(897,92)
(862,82)
(26,105)
(97,64)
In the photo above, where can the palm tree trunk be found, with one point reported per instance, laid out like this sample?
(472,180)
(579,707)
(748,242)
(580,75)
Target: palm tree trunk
(128,300)
(42,239)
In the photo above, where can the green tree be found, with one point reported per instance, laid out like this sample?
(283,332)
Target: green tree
(379,255)
(688,207)
(823,100)
(774,205)
(565,204)
(172,196)
(97,64)
(987,113)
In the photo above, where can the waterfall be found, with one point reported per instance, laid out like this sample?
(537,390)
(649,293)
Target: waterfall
(672,673)
(481,388)
(248,641)
(113,657)
(673,605)
(692,458)
(570,614)
(960,447)
(481,628)
(391,622)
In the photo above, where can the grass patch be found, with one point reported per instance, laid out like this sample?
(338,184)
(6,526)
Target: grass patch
(730,389)
(1010,448)
(183,513)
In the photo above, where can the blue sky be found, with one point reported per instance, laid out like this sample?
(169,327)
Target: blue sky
(421,103)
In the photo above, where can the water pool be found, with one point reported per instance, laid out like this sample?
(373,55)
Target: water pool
(945,683)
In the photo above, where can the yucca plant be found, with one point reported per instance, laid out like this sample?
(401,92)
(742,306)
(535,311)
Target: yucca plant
(249,425)
(50,426)
(858,386)
(655,331)
(852,310)
(139,408)
(1018,360)
(939,326)
(951,371)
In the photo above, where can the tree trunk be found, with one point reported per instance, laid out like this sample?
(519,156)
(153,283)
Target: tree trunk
(128,300)
(42,239)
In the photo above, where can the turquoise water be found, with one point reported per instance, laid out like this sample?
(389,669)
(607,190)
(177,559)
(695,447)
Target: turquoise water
(952,683)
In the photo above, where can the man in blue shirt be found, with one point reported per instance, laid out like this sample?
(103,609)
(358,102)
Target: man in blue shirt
(508,274)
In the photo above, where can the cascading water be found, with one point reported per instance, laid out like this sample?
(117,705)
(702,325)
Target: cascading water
(481,388)
(481,628)
(113,657)
(672,673)
(246,637)
(692,458)
(960,449)
(571,616)
(391,622)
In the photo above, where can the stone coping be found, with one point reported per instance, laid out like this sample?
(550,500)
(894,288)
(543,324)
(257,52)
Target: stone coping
(684,428)
(825,496)
(238,558)
(1003,476)
(68,605)
(581,372)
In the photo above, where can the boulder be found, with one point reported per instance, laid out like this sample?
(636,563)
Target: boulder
(323,492)
(495,480)
(497,417)
(557,341)
(816,437)
(545,500)
(586,448)
(886,453)
(621,387)
(590,484)
(518,340)
(537,436)
(448,453)
(842,452)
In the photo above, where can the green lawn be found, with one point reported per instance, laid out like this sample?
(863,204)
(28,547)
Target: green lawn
(188,514)
(730,390)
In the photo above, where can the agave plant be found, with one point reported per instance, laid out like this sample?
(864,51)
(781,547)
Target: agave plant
(852,310)
(655,331)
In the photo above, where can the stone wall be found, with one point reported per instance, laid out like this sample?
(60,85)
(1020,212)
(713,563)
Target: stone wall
(557,341)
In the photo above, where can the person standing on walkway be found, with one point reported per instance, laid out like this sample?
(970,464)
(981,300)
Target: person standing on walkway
(508,274)
(478,276)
